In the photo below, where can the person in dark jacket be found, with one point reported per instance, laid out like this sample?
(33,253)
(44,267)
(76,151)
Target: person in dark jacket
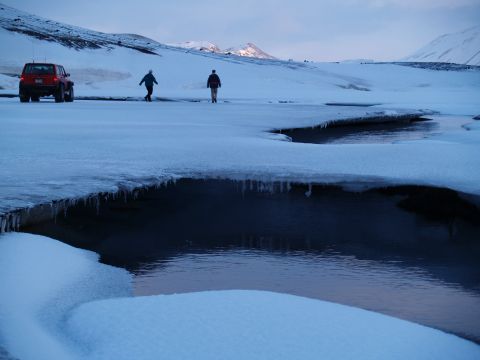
(149,79)
(214,83)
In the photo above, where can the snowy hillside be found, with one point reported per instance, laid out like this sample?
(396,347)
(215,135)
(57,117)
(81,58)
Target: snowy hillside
(459,48)
(20,22)
(77,38)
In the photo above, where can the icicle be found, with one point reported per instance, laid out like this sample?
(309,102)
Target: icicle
(17,222)
(3,224)
(309,192)
(97,204)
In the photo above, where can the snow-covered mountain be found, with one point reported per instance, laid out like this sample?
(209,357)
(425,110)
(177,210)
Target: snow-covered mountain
(459,48)
(247,50)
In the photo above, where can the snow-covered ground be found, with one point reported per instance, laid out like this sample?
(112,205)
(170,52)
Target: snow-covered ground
(69,306)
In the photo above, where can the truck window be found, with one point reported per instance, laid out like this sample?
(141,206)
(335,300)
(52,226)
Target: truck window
(39,69)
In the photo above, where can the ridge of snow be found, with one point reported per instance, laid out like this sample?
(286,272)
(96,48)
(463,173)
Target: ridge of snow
(460,48)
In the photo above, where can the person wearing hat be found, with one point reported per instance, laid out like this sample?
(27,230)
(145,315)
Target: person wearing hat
(149,80)
(214,83)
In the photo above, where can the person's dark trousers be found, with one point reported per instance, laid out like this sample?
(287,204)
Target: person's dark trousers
(214,92)
(148,97)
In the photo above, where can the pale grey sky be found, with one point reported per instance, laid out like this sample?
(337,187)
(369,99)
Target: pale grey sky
(323,30)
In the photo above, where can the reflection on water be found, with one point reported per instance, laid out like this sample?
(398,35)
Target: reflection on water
(380,133)
(389,287)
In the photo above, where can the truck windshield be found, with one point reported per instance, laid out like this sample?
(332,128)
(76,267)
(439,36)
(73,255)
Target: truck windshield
(39,69)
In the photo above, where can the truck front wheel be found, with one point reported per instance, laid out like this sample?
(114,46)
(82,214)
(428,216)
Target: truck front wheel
(24,98)
(70,96)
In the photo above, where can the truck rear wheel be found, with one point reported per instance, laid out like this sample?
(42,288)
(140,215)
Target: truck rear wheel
(60,94)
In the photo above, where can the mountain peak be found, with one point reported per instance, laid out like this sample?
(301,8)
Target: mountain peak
(246,50)
(249,50)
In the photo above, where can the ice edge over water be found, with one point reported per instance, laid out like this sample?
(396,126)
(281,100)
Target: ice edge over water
(13,221)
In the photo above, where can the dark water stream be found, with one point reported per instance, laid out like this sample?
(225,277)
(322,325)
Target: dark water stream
(359,249)
(378,133)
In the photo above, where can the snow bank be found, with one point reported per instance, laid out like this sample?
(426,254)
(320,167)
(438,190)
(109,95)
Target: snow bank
(50,309)
(254,325)
(42,280)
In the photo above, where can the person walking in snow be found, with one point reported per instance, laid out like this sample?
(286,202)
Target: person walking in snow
(214,83)
(149,79)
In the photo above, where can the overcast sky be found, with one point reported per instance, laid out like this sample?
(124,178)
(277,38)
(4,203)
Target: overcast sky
(323,30)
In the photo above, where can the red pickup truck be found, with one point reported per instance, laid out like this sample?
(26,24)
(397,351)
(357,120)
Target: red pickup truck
(40,79)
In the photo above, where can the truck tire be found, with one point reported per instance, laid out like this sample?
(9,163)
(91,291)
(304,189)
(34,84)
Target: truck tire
(24,97)
(70,96)
(35,98)
(60,94)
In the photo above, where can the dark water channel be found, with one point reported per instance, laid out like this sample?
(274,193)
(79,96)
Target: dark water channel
(378,133)
(359,249)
